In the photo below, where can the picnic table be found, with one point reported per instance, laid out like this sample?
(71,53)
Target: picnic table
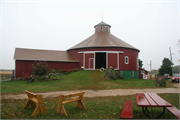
(151,100)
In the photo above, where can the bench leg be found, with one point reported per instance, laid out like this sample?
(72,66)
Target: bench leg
(161,113)
(80,105)
(36,111)
(144,111)
(41,105)
(63,111)
(60,107)
(29,103)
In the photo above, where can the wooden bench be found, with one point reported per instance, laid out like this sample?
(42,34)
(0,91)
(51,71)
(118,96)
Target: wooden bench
(127,112)
(174,111)
(60,106)
(32,100)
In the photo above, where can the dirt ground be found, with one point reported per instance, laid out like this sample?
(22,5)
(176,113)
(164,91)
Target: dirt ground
(99,93)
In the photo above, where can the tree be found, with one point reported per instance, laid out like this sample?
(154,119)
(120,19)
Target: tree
(140,63)
(166,67)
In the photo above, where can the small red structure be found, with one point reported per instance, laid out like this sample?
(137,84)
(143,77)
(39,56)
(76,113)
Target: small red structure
(143,74)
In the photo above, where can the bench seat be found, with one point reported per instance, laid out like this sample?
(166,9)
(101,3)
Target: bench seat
(127,112)
(174,111)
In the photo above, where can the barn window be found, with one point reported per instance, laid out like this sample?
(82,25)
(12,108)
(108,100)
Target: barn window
(101,28)
(142,71)
(126,60)
(106,28)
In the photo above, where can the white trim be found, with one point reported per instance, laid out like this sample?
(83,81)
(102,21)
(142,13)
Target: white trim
(106,60)
(127,60)
(89,69)
(101,51)
(88,52)
(94,62)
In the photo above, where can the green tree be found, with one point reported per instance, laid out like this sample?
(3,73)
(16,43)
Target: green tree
(140,63)
(166,67)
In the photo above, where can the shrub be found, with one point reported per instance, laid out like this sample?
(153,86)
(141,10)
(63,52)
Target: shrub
(110,73)
(119,75)
(40,68)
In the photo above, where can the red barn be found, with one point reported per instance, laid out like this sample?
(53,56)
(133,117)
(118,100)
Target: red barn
(102,49)
(143,74)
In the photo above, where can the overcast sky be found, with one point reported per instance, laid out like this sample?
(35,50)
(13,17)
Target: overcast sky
(150,26)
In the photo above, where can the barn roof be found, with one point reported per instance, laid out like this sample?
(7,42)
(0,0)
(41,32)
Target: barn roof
(43,55)
(102,39)
(102,23)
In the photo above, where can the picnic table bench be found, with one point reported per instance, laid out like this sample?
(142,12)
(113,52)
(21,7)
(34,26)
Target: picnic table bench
(127,112)
(146,100)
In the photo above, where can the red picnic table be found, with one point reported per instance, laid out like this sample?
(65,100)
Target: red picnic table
(146,100)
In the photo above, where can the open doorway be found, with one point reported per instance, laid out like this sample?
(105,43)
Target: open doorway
(100,60)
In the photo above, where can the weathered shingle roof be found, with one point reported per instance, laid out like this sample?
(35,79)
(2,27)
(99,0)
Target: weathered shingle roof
(102,23)
(102,39)
(43,55)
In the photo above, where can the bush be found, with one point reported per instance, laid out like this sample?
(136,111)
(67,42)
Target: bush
(119,75)
(110,73)
(40,68)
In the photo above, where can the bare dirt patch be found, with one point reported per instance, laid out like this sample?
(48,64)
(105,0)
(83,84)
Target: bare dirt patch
(98,93)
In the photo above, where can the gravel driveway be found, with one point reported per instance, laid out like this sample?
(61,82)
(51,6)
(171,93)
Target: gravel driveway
(99,93)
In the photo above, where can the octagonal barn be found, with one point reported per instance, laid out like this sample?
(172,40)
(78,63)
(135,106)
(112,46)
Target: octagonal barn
(102,49)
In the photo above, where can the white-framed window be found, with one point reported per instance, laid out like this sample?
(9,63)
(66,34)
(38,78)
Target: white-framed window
(126,60)
(142,71)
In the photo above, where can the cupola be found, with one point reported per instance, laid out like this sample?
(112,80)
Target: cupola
(102,27)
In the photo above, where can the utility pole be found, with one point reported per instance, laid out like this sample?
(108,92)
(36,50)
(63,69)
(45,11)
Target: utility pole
(150,68)
(171,59)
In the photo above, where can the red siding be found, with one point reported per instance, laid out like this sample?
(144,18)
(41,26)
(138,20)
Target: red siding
(112,60)
(89,61)
(141,75)
(132,54)
(26,66)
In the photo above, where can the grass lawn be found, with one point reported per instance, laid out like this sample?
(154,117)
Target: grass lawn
(77,81)
(97,108)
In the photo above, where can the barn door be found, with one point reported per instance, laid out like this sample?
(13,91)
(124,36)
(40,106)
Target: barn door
(89,60)
(113,60)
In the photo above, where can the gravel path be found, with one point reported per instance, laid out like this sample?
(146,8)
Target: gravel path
(98,93)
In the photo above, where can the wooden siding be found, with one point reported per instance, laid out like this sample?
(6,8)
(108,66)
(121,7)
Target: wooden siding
(89,61)
(26,66)
(131,53)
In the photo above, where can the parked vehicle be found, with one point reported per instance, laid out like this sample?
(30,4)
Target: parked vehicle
(175,78)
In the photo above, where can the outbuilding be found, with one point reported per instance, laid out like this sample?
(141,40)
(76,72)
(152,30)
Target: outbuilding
(100,50)
(143,74)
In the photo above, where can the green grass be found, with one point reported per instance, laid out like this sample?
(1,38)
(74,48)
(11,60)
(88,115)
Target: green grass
(77,81)
(97,108)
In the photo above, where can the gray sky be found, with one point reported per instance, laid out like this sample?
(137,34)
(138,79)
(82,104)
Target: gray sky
(150,26)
